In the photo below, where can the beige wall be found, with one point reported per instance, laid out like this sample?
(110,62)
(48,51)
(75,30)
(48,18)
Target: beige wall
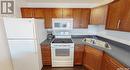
(98,15)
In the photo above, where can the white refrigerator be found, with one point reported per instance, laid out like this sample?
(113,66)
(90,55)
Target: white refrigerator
(24,37)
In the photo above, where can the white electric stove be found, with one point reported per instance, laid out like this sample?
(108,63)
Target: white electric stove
(62,52)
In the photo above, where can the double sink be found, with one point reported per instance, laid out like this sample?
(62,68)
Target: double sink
(97,42)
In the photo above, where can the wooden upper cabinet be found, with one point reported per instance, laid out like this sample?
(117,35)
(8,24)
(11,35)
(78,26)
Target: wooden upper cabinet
(46,14)
(48,17)
(99,15)
(81,16)
(114,15)
(76,17)
(119,15)
(62,13)
(109,63)
(67,12)
(39,13)
(125,19)
(78,54)
(27,12)
(92,58)
(57,13)
(85,18)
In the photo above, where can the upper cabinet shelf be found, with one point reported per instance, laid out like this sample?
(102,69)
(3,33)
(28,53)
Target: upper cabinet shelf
(81,16)
(119,16)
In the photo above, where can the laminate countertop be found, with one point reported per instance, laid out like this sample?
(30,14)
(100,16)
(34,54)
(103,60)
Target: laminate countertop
(120,52)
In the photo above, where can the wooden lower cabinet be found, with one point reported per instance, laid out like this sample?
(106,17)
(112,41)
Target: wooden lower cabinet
(95,59)
(46,54)
(92,58)
(89,57)
(78,54)
(110,63)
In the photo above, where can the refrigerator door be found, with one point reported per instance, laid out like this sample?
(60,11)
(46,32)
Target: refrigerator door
(24,54)
(19,28)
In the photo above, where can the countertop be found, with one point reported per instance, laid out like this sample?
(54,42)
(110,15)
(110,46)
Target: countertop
(47,42)
(119,53)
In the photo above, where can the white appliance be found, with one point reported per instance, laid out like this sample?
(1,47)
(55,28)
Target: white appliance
(62,52)
(62,47)
(62,23)
(62,27)
(24,38)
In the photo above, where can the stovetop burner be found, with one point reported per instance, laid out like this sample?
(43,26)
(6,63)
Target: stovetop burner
(62,40)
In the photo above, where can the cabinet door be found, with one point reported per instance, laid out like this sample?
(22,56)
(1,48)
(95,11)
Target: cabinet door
(67,12)
(98,15)
(76,17)
(27,12)
(85,18)
(39,13)
(57,13)
(114,15)
(46,54)
(110,64)
(78,54)
(48,17)
(125,19)
(92,58)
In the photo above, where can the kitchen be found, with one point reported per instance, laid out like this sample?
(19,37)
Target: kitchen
(68,35)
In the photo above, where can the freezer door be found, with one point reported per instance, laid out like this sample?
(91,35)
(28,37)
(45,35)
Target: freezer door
(19,28)
(24,54)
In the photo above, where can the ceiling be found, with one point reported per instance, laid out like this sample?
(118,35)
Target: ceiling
(69,1)
(66,3)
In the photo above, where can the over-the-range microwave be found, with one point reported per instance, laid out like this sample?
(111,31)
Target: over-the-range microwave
(62,23)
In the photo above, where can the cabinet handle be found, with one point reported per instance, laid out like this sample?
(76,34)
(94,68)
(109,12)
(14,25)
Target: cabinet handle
(118,25)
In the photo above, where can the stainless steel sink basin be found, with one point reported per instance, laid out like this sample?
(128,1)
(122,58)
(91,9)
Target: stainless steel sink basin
(97,43)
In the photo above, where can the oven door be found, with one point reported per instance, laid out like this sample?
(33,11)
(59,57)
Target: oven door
(62,52)
(62,55)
